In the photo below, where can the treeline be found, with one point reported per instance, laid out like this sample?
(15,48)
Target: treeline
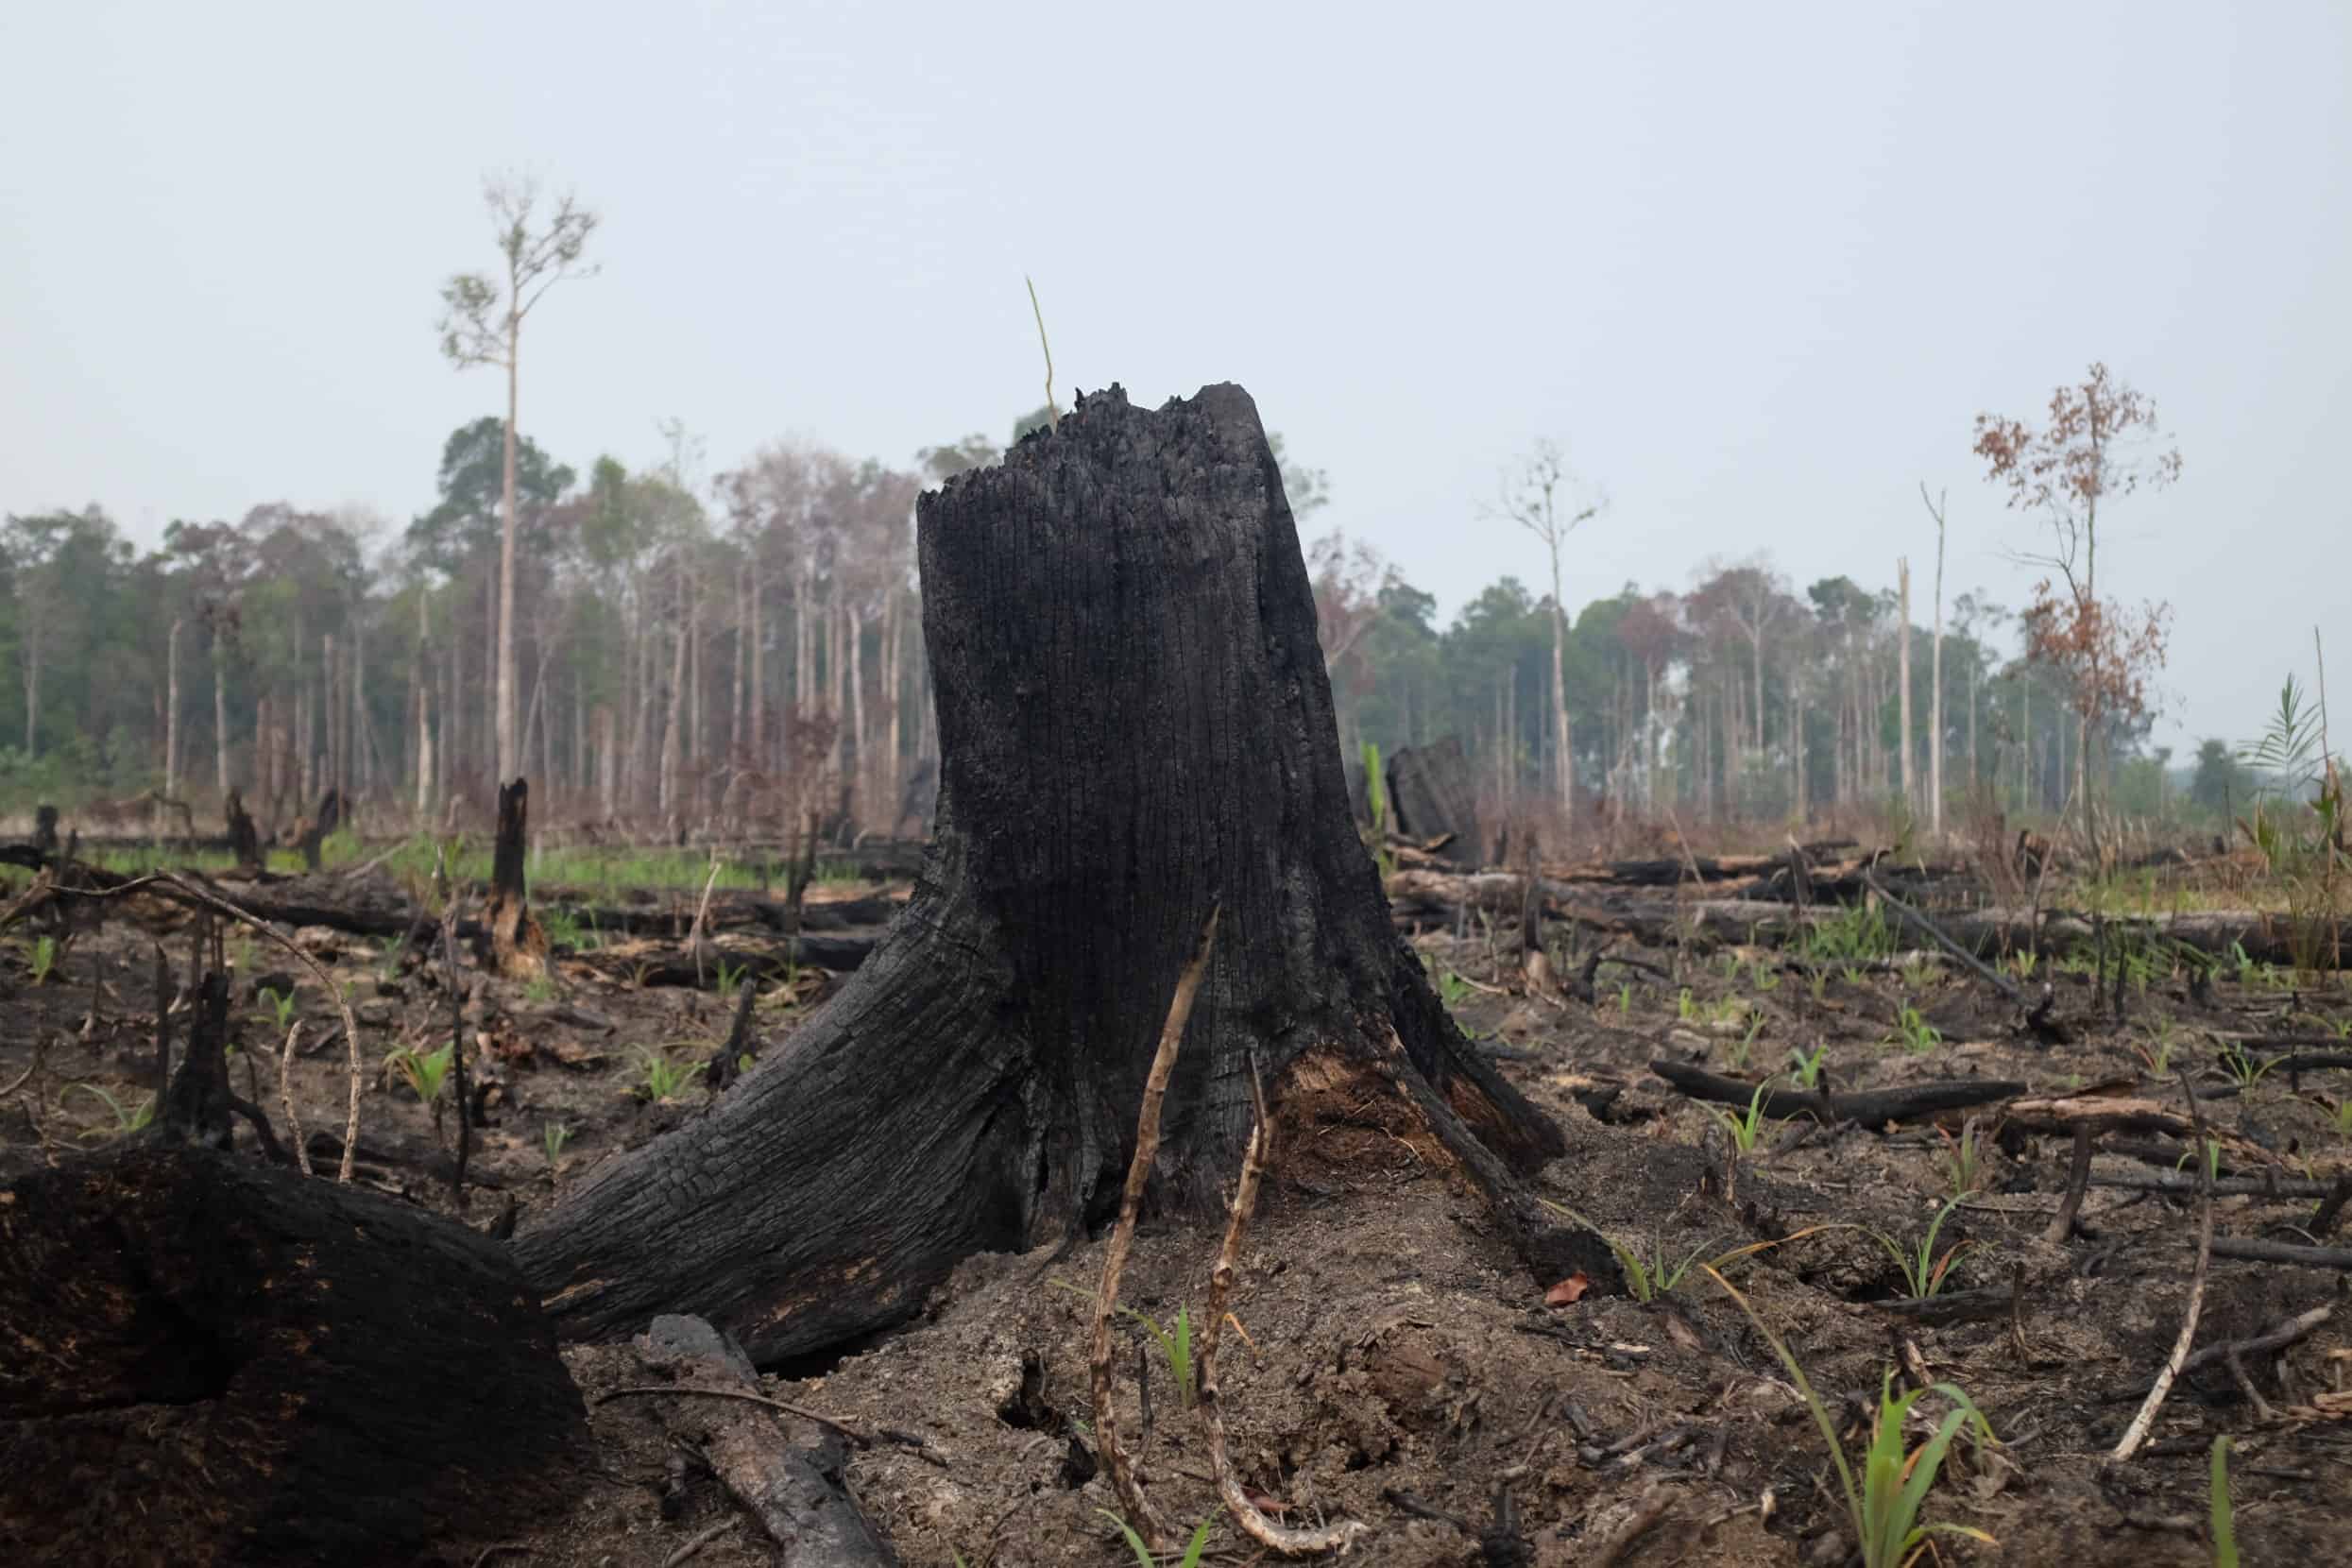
(751,643)
(1739,696)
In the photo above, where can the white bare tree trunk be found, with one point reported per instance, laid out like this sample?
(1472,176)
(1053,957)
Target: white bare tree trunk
(1903,675)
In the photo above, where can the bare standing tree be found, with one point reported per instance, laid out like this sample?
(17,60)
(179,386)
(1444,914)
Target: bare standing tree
(482,324)
(1936,680)
(1535,503)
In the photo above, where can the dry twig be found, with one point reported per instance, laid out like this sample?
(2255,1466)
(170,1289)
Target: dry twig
(2137,1433)
(1141,1517)
(286,1096)
(1253,1523)
(857,1436)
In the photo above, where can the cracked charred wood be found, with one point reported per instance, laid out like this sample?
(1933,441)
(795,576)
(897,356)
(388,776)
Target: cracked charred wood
(1134,721)
(216,1362)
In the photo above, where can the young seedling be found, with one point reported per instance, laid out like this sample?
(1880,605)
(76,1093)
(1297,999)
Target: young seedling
(1808,1067)
(1656,1275)
(1746,1044)
(45,959)
(1684,1007)
(2224,1524)
(1143,1554)
(1924,1272)
(1916,1035)
(1883,1505)
(280,1008)
(126,1122)
(730,979)
(553,1137)
(659,1077)
(1743,1126)
(1625,1000)
(426,1073)
(539,988)
(1963,1172)
(2242,1066)
(1175,1342)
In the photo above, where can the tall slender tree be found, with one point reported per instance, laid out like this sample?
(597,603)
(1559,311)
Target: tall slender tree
(1534,501)
(482,324)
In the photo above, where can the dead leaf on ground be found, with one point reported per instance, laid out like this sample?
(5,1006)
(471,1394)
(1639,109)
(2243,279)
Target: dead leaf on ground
(1568,1291)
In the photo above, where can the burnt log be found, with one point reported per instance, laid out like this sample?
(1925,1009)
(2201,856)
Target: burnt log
(1135,725)
(211,1361)
(1870,1107)
(1431,794)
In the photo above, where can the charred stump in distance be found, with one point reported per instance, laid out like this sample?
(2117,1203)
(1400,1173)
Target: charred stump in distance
(516,945)
(321,825)
(245,840)
(1134,722)
(1432,794)
(212,1361)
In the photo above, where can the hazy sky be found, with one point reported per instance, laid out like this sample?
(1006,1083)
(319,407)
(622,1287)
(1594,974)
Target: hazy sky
(1757,265)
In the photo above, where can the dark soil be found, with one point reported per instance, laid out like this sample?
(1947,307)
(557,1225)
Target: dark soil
(1391,1362)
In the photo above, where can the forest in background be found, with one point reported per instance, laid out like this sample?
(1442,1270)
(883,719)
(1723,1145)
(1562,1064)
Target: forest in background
(692,644)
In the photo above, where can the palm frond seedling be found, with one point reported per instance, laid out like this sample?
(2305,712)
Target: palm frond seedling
(2343,1117)
(1625,1000)
(2217,1511)
(1916,1035)
(553,1137)
(1745,1125)
(45,959)
(1764,979)
(659,1077)
(1922,1269)
(1175,1339)
(1376,804)
(1648,1278)
(1193,1548)
(281,1007)
(1685,1007)
(2024,963)
(126,1119)
(2243,1069)
(731,978)
(1808,1065)
(1960,1163)
(425,1072)
(1746,1046)
(1884,1504)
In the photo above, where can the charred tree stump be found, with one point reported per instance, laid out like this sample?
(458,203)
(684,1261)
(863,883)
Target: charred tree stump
(1431,792)
(517,942)
(321,824)
(46,829)
(1134,721)
(211,1361)
(245,840)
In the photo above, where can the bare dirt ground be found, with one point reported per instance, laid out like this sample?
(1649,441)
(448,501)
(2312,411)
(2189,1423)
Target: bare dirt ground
(1389,1362)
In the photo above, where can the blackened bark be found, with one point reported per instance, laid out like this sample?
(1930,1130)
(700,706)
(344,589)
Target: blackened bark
(518,946)
(211,1361)
(1431,792)
(1133,721)
(320,825)
(243,839)
(46,829)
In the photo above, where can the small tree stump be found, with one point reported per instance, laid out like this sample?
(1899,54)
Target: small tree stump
(1431,792)
(245,841)
(211,1361)
(517,945)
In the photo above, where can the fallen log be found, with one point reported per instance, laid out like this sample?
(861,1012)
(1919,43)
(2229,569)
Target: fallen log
(644,964)
(794,1488)
(1870,1107)
(211,1361)
(1438,897)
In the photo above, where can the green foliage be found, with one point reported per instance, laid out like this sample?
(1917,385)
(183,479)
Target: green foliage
(281,1007)
(659,1077)
(1857,933)
(1960,1160)
(1175,1339)
(1923,1271)
(1808,1065)
(1376,804)
(426,1073)
(45,959)
(1143,1554)
(1745,1045)
(731,978)
(1743,1126)
(1916,1035)
(126,1120)
(2242,1066)
(552,1138)
(1685,1008)
(1884,1506)
(2217,1511)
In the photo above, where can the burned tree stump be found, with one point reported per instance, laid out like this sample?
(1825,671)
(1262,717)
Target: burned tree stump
(1430,790)
(517,944)
(245,840)
(211,1361)
(46,829)
(320,825)
(1134,722)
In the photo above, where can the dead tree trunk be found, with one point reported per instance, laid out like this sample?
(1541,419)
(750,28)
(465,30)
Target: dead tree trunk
(1134,722)
(213,1362)
(245,841)
(518,946)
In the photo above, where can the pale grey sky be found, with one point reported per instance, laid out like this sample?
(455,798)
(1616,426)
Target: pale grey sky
(1757,266)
